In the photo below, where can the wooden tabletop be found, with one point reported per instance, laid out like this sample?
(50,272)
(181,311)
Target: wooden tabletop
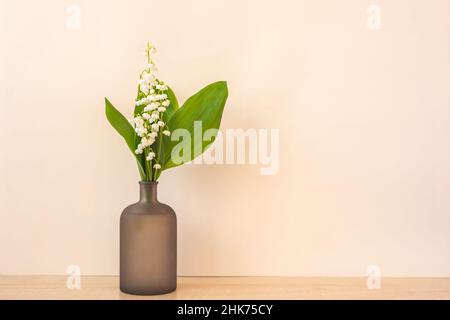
(106,287)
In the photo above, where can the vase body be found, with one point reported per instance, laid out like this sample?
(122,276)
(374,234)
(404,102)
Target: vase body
(148,245)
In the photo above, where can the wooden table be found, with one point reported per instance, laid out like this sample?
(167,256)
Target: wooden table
(106,287)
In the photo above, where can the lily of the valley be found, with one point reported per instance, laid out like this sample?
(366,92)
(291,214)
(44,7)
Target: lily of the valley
(149,124)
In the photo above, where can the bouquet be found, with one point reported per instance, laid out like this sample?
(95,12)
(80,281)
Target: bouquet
(154,130)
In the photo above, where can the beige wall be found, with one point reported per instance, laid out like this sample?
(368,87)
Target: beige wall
(364,119)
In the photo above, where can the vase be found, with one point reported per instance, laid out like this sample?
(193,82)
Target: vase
(148,245)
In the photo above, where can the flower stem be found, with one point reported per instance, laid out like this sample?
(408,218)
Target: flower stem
(159,147)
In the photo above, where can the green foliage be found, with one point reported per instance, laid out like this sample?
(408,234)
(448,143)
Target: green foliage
(205,106)
(124,128)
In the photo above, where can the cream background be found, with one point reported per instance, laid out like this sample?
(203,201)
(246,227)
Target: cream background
(364,119)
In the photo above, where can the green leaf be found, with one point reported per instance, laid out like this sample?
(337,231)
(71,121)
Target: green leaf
(205,106)
(124,128)
(170,110)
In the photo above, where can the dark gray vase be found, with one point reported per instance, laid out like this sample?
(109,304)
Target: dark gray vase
(148,245)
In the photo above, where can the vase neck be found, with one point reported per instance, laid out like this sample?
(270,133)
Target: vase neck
(148,191)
